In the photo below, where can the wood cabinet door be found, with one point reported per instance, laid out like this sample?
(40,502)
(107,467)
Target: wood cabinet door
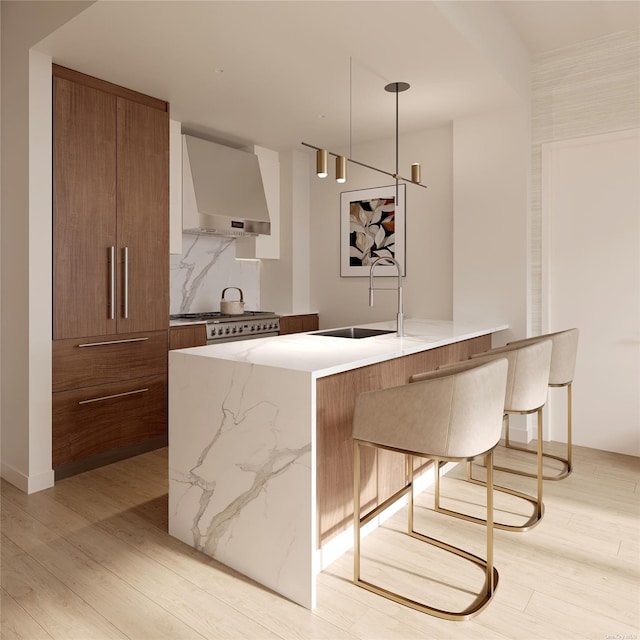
(310,322)
(299,323)
(192,335)
(84,205)
(143,216)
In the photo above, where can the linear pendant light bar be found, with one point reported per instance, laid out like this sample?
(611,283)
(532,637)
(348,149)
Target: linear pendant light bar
(365,165)
(341,161)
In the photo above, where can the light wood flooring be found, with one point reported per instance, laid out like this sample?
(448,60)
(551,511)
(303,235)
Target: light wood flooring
(91,558)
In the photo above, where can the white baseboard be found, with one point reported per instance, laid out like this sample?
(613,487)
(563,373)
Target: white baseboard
(520,434)
(28,484)
(522,429)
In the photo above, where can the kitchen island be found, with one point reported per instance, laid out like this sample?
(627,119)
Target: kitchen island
(260,468)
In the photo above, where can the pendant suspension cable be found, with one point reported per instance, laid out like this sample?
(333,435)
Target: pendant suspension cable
(397,87)
(397,154)
(350,103)
(395,204)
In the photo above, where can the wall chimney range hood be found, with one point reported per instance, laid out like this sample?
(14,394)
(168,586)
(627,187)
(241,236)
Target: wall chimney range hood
(222,190)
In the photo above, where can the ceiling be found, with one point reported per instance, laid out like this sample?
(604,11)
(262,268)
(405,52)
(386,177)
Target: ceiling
(544,25)
(275,73)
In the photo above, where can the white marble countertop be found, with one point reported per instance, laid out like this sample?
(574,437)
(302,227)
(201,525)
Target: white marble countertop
(324,355)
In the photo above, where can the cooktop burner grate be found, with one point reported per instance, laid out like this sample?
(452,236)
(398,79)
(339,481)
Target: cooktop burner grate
(217,315)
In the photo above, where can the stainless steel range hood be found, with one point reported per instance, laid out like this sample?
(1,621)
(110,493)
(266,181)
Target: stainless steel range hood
(222,190)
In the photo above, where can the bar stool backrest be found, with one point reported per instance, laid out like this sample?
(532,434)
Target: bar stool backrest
(563,354)
(528,377)
(447,414)
(528,374)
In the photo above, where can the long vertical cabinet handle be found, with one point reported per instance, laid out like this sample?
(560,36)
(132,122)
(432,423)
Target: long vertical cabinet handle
(112,283)
(126,282)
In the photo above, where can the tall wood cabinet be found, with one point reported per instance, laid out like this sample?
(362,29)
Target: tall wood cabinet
(110,271)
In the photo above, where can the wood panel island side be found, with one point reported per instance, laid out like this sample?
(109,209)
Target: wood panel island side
(260,454)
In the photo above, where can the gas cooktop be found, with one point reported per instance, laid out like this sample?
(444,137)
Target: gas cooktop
(222,327)
(216,315)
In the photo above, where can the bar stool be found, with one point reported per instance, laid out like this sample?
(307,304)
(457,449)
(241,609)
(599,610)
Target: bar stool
(526,392)
(563,365)
(449,417)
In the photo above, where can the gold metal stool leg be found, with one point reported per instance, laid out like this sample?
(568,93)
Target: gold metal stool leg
(538,506)
(567,462)
(491,574)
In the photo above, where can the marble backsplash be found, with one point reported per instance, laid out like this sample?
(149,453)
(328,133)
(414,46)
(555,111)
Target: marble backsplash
(207,265)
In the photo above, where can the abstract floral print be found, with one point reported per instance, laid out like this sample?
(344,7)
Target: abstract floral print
(371,230)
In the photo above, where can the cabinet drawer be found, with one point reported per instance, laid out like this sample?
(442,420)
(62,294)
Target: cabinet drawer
(191,335)
(92,361)
(299,323)
(100,418)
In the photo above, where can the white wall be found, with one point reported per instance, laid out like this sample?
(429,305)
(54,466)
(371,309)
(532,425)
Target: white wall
(491,179)
(485,26)
(427,285)
(490,221)
(591,280)
(40,257)
(26,424)
(491,160)
(15,250)
(586,89)
(284,283)
(26,270)
(300,232)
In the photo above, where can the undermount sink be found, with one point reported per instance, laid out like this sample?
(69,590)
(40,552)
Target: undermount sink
(353,332)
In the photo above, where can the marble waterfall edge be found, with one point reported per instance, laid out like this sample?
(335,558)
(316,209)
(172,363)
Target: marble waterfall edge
(241,484)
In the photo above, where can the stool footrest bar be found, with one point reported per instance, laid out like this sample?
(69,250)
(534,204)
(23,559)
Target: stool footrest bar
(383,505)
(568,468)
(473,609)
(529,524)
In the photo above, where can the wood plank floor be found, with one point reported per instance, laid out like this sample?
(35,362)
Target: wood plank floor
(91,558)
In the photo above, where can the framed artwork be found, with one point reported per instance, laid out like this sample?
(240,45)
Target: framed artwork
(372,226)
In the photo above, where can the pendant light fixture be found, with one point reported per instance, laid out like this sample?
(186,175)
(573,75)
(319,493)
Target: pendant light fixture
(322,169)
(341,161)
(341,169)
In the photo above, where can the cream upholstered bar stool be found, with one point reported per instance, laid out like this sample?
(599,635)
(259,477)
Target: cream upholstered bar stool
(563,366)
(450,417)
(526,392)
